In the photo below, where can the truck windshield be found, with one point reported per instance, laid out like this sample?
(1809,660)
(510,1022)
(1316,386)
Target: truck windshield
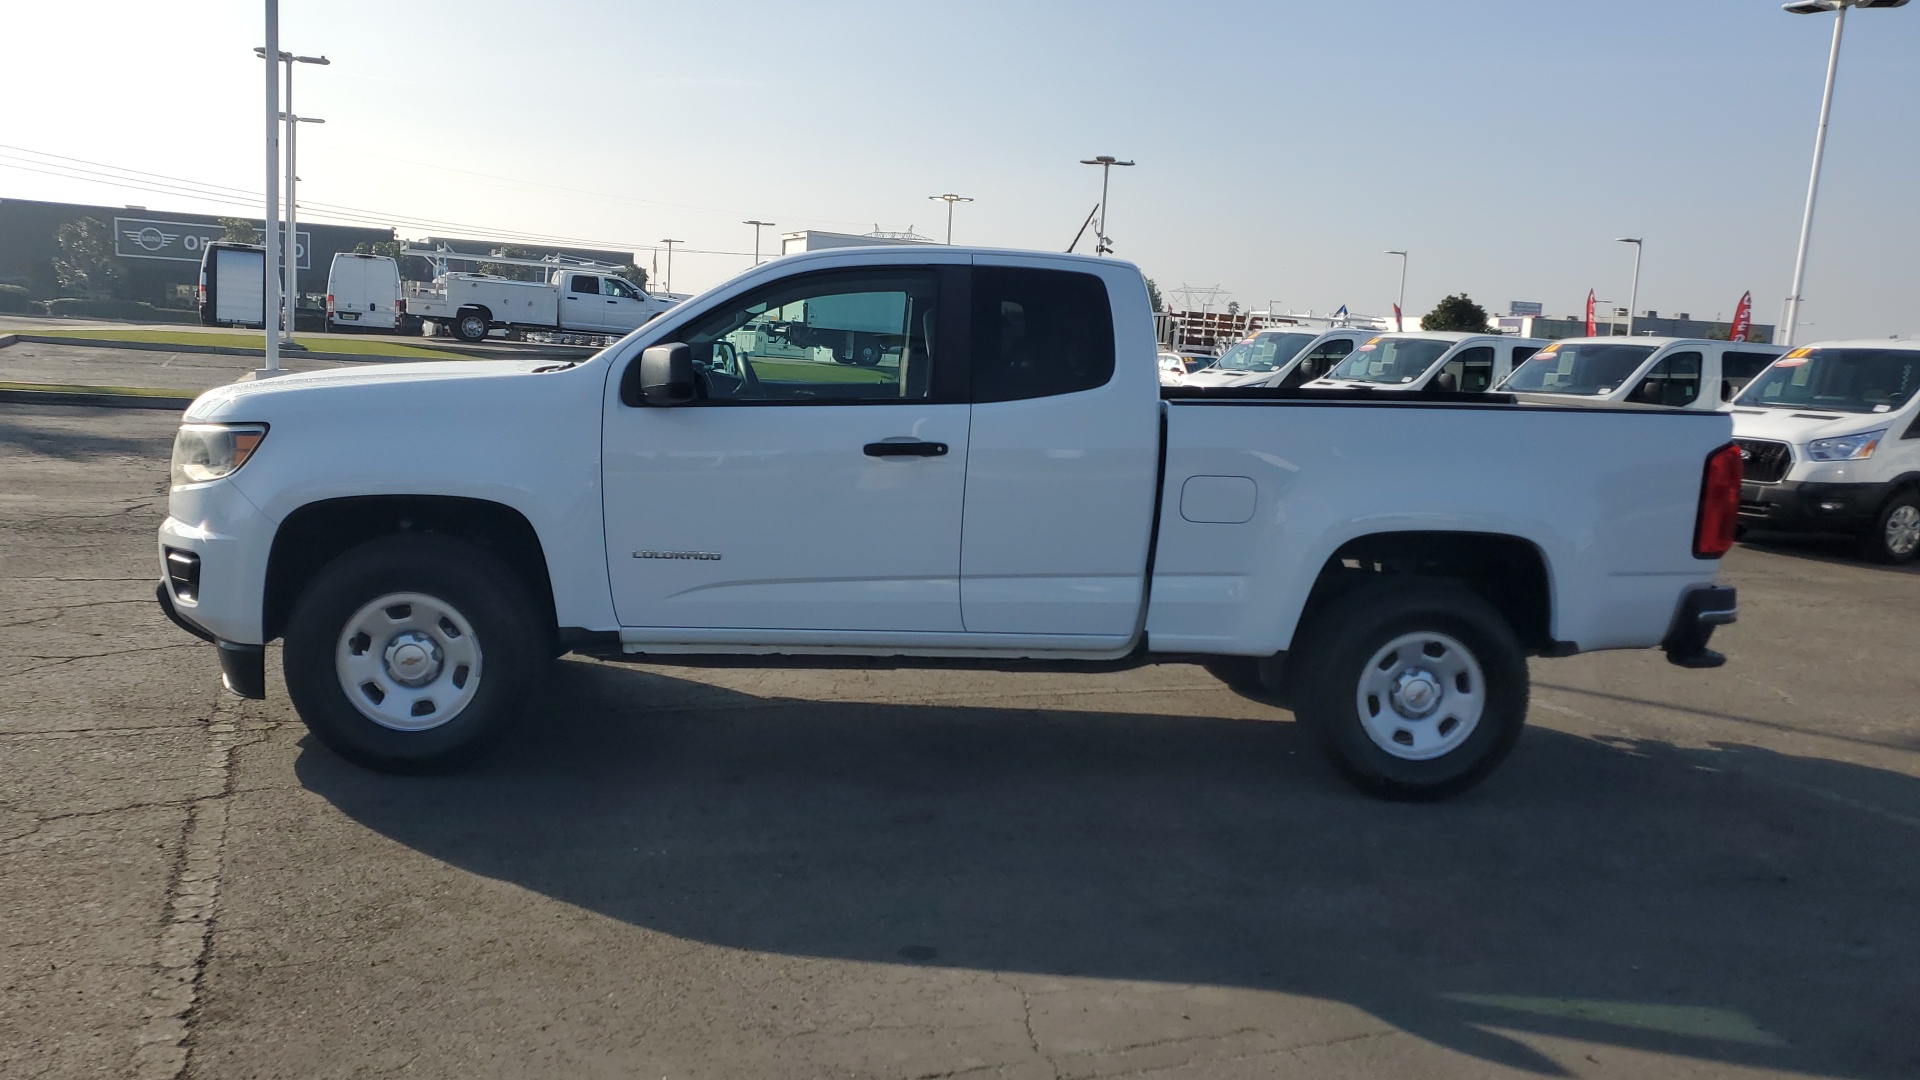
(1391,360)
(1265,352)
(1843,380)
(1589,368)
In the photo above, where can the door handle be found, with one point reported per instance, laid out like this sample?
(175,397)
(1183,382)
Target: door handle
(906,449)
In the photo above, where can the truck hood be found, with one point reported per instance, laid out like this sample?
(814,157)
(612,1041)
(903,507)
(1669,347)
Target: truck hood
(1802,426)
(226,401)
(1217,377)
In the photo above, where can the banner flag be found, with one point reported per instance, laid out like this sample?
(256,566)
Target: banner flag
(1742,319)
(1397,325)
(1593,330)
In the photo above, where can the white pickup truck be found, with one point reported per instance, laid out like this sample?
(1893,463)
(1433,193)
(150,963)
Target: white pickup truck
(425,538)
(571,299)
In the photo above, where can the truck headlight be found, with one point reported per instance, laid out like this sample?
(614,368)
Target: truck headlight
(203,452)
(1845,447)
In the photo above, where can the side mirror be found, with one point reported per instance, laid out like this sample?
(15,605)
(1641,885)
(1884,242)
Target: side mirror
(665,377)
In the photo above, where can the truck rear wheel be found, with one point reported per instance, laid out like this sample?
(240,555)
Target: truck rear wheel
(413,653)
(1414,689)
(471,326)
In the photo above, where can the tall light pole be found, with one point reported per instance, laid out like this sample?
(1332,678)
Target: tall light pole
(1633,294)
(1784,336)
(1400,306)
(1107,162)
(291,246)
(270,303)
(670,243)
(757,226)
(950,198)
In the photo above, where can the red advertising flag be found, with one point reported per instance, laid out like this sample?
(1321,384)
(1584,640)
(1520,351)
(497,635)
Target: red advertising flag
(1592,330)
(1742,319)
(1397,326)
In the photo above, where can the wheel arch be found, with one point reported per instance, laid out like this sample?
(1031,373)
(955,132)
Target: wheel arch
(1510,572)
(318,532)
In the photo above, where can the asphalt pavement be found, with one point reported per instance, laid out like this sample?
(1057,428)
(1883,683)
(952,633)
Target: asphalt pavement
(734,872)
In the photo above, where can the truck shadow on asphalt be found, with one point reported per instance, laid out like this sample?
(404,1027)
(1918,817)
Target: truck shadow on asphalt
(1732,904)
(1819,547)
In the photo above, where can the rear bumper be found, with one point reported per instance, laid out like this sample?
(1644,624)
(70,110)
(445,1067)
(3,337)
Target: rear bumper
(1700,611)
(1806,506)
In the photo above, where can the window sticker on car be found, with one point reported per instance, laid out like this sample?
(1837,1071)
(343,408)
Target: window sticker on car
(1805,350)
(1368,347)
(1791,361)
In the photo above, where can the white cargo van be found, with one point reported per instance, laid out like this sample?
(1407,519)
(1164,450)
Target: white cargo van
(1280,358)
(363,292)
(1682,373)
(1831,440)
(233,285)
(1431,360)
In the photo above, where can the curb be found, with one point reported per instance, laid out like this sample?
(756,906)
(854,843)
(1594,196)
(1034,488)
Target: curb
(108,401)
(9,339)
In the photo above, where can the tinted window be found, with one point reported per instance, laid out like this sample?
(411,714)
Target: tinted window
(1472,370)
(866,336)
(1674,381)
(1737,369)
(585,283)
(1037,333)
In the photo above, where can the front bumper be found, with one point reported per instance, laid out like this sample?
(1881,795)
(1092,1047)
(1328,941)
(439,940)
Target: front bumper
(1700,611)
(243,668)
(1808,506)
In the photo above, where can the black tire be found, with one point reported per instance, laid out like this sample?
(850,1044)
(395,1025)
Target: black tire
(471,326)
(1883,542)
(506,629)
(1345,637)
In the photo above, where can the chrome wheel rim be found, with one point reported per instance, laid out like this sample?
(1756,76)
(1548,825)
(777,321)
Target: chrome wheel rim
(408,661)
(1903,530)
(1421,696)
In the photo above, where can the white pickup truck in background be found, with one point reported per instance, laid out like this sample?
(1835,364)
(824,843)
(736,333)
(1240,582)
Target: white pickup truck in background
(425,538)
(570,299)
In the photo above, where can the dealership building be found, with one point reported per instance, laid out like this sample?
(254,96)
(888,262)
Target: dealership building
(160,250)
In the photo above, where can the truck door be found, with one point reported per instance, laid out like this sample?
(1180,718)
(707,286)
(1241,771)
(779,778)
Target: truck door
(580,302)
(796,493)
(624,308)
(1062,471)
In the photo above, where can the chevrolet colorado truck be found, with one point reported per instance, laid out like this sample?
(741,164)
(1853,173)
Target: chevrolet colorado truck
(1006,484)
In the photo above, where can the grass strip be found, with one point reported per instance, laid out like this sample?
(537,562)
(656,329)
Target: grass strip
(188,338)
(117,391)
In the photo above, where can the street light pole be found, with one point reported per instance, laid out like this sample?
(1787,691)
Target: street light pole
(291,245)
(1633,294)
(757,226)
(1106,163)
(270,305)
(670,244)
(950,198)
(1400,306)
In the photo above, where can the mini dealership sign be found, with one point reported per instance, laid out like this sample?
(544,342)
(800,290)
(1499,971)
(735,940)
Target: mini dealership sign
(180,241)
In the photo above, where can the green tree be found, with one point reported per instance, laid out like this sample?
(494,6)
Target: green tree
(86,262)
(633,272)
(239,231)
(1153,296)
(1456,312)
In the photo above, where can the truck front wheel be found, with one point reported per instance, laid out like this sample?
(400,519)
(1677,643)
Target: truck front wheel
(412,653)
(1414,689)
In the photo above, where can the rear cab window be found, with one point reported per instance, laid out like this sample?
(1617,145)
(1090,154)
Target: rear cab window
(1037,333)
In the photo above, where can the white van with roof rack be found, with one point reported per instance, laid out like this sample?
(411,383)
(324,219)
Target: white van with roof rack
(1830,435)
(1681,373)
(1281,357)
(1430,360)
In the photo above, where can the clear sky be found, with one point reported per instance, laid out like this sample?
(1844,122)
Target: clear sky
(1282,145)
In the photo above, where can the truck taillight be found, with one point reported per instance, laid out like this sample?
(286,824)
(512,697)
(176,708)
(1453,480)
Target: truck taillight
(1719,504)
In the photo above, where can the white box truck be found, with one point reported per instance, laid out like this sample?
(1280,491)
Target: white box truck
(233,285)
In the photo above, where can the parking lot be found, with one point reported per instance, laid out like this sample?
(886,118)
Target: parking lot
(728,871)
